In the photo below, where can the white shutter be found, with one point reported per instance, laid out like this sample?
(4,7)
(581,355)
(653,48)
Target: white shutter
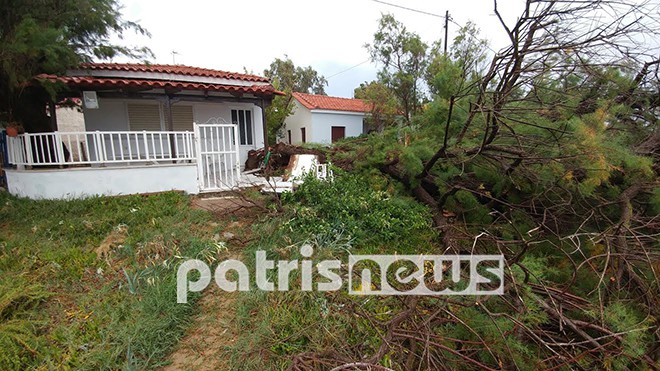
(144,117)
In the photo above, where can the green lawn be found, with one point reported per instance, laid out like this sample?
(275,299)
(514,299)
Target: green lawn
(91,283)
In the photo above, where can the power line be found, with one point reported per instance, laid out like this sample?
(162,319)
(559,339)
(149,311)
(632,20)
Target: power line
(447,18)
(419,11)
(410,9)
(348,69)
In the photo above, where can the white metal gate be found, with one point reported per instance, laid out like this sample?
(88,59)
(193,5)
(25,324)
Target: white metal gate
(218,163)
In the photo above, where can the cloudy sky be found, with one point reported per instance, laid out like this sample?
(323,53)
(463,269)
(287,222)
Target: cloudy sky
(327,35)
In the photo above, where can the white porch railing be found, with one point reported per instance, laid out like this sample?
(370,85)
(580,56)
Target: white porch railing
(99,147)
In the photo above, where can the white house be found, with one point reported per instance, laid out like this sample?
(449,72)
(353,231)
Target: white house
(147,128)
(323,119)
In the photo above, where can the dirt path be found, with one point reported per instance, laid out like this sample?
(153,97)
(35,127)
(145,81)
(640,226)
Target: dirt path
(212,330)
(214,327)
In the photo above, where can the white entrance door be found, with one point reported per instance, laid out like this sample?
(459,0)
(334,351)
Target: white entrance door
(218,161)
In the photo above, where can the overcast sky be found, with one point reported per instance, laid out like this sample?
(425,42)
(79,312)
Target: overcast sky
(327,35)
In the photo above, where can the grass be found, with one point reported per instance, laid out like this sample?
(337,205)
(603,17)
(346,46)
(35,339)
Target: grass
(91,283)
(349,215)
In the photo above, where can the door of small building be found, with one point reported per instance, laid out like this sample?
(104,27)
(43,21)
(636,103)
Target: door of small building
(338,132)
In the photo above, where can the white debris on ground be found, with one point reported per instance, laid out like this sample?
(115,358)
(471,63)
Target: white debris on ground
(299,166)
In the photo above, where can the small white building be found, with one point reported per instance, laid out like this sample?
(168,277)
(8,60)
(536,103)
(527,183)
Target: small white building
(145,128)
(324,120)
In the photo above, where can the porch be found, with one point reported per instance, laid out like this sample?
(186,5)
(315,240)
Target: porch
(61,165)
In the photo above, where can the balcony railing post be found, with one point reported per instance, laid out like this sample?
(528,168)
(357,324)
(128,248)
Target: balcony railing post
(100,157)
(61,160)
(196,141)
(28,149)
(146,144)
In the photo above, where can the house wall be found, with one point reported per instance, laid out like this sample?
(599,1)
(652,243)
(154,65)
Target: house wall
(323,121)
(112,115)
(70,119)
(300,117)
(203,112)
(86,182)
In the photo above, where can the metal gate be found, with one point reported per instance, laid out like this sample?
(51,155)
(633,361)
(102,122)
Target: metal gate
(218,163)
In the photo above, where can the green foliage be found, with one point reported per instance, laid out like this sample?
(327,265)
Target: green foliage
(384,105)
(295,78)
(369,217)
(444,76)
(19,326)
(289,78)
(454,74)
(622,318)
(403,55)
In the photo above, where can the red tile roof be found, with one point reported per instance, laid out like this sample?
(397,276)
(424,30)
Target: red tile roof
(188,78)
(111,83)
(325,102)
(174,69)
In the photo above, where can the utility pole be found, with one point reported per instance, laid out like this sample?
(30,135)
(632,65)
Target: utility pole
(446,29)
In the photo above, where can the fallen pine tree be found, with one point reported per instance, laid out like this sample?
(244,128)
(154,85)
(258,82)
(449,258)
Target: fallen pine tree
(551,161)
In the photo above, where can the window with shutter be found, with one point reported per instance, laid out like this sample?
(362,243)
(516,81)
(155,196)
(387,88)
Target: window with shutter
(182,118)
(144,117)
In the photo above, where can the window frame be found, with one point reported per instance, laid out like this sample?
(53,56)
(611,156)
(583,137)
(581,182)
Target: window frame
(249,138)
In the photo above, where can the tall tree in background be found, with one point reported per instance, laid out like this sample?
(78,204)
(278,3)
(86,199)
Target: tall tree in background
(384,105)
(48,37)
(403,57)
(288,78)
(450,75)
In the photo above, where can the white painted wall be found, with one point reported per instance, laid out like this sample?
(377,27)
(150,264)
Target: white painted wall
(69,119)
(318,124)
(300,117)
(323,121)
(86,182)
(112,115)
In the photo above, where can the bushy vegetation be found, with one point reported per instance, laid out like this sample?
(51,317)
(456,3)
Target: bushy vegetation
(363,210)
(91,283)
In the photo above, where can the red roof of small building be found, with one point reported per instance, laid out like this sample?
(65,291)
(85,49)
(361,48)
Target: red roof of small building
(325,102)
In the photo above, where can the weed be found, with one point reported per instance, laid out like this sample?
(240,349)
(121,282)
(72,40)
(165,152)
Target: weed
(92,283)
